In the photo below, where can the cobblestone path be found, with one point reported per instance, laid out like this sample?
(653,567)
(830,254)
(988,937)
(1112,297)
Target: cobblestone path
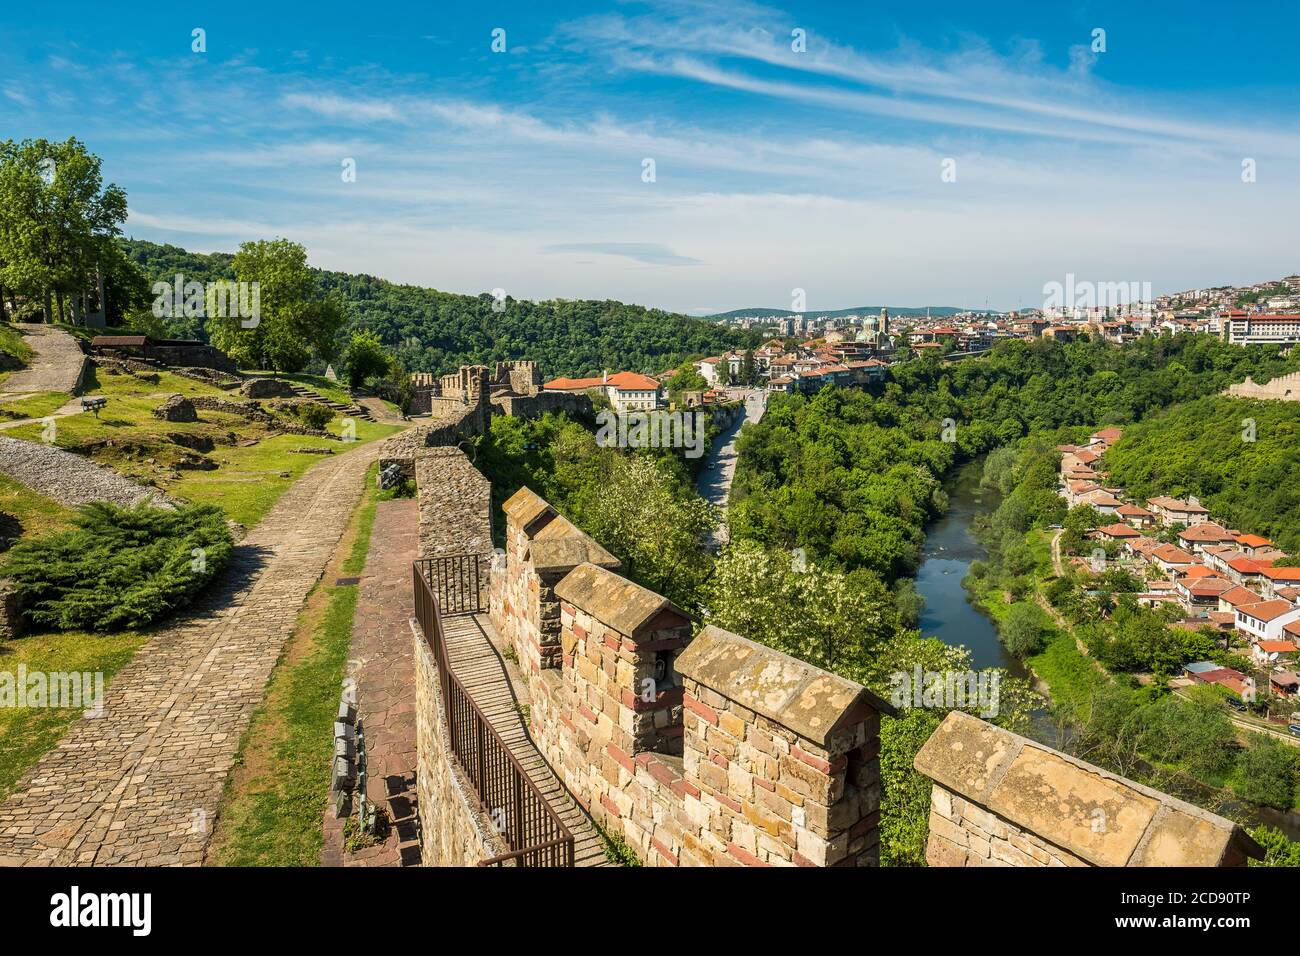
(140,785)
(56,367)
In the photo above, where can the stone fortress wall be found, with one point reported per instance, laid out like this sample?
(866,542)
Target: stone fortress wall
(1002,800)
(707,749)
(1284,388)
(463,404)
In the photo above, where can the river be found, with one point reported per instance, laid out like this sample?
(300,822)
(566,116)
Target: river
(950,549)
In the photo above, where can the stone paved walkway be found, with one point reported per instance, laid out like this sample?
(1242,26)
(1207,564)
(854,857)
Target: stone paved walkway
(141,784)
(380,661)
(56,366)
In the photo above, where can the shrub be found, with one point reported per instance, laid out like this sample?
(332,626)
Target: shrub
(119,567)
(315,415)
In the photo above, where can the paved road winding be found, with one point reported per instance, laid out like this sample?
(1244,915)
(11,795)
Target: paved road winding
(714,483)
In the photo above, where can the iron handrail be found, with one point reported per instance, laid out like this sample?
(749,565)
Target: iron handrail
(532,830)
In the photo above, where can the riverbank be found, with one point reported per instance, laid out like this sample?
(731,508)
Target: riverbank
(973,613)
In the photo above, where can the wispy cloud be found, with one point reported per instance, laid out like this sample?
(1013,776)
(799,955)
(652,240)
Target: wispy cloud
(648,252)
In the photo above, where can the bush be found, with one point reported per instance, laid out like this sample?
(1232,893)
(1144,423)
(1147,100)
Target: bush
(1024,629)
(365,357)
(119,567)
(315,415)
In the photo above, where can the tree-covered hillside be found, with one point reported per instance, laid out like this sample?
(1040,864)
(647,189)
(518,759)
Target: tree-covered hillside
(1240,457)
(434,331)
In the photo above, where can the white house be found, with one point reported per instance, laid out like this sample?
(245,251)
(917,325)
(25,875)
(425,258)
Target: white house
(1266,620)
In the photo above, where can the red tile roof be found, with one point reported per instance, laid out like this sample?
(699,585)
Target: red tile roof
(566,384)
(1239,597)
(1119,530)
(632,381)
(1267,610)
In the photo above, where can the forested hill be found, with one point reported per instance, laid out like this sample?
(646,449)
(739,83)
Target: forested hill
(1239,456)
(437,331)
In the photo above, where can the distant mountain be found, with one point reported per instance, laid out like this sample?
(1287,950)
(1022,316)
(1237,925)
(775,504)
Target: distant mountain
(433,331)
(937,311)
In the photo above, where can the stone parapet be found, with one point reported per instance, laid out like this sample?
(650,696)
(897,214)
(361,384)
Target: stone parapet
(1002,800)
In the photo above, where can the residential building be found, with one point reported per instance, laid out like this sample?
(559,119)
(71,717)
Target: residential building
(1265,621)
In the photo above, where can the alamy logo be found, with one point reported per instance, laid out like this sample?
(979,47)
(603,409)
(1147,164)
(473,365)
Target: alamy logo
(55,690)
(652,429)
(73,909)
(1074,294)
(223,299)
(947,690)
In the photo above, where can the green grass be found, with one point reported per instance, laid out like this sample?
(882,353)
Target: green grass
(1069,674)
(36,515)
(247,481)
(34,406)
(26,733)
(274,818)
(13,343)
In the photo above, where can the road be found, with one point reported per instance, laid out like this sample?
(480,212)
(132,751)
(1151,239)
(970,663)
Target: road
(714,483)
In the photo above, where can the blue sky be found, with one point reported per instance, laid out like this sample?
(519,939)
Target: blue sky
(774,170)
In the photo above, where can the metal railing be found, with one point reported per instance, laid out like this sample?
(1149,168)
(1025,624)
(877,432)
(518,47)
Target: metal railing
(525,820)
(459,581)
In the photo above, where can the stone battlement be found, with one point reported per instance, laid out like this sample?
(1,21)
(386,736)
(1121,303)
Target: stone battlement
(1002,800)
(1285,388)
(701,751)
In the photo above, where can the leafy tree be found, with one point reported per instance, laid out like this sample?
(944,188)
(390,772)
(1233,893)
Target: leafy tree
(686,379)
(643,513)
(296,322)
(364,357)
(57,222)
(1267,772)
(1024,629)
(1278,848)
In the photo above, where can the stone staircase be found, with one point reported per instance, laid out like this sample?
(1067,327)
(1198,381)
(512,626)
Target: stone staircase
(352,410)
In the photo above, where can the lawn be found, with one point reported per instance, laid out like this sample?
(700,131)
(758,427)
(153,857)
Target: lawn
(34,406)
(244,471)
(275,801)
(13,343)
(34,514)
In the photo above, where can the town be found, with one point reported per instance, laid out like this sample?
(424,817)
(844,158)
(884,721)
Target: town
(1227,580)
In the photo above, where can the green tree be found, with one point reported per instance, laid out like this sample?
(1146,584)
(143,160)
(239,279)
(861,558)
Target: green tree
(1278,849)
(647,516)
(365,357)
(1024,629)
(1267,771)
(296,322)
(57,222)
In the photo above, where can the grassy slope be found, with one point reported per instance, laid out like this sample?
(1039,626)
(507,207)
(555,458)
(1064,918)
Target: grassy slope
(13,344)
(128,438)
(274,802)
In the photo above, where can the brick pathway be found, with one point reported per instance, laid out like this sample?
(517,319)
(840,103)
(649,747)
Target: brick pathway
(380,661)
(56,367)
(141,785)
